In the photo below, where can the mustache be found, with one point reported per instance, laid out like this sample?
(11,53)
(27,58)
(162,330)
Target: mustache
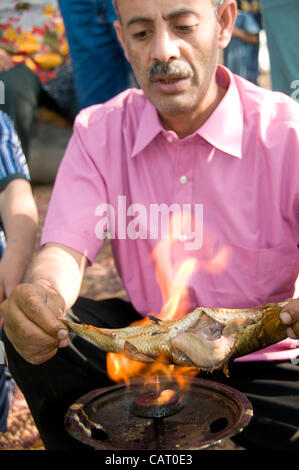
(174,69)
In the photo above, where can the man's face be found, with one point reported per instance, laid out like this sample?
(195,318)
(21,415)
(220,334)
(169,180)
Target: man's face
(172,46)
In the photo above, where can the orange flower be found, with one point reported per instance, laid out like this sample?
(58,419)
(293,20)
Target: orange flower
(25,36)
(59,28)
(30,64)
(48,10)
(10,34)
(29,47)
(48,61)
(17,58)
(64,48)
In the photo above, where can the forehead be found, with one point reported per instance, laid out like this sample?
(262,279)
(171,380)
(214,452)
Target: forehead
(150,8)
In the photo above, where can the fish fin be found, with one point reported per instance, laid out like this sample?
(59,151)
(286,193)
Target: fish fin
(206,327)
(132,353)
(163,329)
(205,354)
(155,320)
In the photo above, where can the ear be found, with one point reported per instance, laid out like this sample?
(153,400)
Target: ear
(227,14)
(119,33)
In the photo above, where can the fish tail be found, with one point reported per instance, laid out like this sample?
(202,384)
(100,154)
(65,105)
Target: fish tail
(264,333)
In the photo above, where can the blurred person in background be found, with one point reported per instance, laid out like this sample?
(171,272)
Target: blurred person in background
(18,227)
(100,68)
(241,55)
(34,64)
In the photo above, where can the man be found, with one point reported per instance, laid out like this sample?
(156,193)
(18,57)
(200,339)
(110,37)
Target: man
(170,143)
(18,228)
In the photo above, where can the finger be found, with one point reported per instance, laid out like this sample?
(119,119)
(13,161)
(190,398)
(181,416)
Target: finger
(33,303)
(293,331)
(64,343)
(31,342)
(290,313)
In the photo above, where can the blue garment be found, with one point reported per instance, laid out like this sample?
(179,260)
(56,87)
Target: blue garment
(100,68)
(242,57)
(12,165)
(281,22)
(6,391)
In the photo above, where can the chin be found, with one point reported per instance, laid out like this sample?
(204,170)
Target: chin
(180,103)
(174,108)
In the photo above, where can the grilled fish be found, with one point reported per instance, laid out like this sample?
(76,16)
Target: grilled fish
(206,338)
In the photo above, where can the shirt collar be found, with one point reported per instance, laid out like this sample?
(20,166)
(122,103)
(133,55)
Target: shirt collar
(218,130)
(149,127)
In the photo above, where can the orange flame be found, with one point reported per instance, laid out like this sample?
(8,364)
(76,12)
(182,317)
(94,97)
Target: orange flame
(173,272)
(173,284)
(121,369)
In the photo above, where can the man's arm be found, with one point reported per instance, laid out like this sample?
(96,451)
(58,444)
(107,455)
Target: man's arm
(249,38)
(31,313)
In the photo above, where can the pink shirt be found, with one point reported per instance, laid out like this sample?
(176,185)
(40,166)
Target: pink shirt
(240,170)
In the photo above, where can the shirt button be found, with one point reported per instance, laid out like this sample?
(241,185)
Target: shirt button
(183,179)
(169,139)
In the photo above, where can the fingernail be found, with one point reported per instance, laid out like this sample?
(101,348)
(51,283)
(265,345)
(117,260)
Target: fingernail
(62,334)
(286,318)
(291,334)
(64,343)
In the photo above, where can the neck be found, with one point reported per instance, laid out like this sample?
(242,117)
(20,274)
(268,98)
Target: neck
(185,124)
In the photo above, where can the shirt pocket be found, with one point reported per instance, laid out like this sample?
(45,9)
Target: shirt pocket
(271,273)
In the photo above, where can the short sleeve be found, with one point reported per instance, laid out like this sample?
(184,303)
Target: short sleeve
(12,159)
(78,190)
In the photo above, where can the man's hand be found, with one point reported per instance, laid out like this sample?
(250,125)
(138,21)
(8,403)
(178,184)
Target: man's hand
(5,61)
(31,321)
(290,316)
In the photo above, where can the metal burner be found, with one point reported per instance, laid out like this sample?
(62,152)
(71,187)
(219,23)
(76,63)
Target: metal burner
(147,405)
(110,418)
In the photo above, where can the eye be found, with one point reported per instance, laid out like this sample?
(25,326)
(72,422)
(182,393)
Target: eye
(141,34)
(186,28)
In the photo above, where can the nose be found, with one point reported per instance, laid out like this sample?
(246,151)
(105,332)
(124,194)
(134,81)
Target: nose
(164,47)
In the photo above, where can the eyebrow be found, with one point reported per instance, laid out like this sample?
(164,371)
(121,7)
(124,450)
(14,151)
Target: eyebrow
(170,16)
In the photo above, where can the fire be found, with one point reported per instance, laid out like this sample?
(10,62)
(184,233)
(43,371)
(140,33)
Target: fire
(173,283)
(121,369)
(165,397)
(173,272)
